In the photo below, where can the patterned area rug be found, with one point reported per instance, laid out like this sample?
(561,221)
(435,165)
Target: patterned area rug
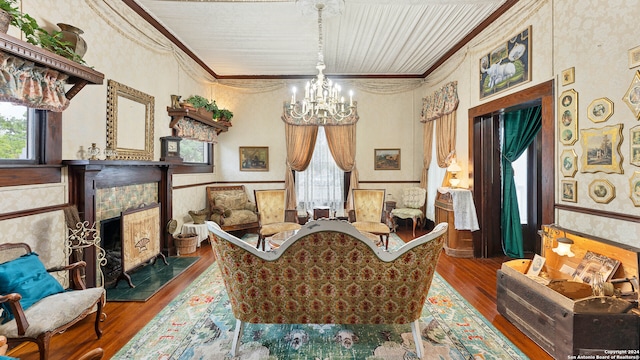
(199,324)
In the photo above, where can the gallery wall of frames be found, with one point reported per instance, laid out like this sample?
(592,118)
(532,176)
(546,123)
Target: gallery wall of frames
(596,142)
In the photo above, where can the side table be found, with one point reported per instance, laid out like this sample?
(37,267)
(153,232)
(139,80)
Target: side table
(199,229)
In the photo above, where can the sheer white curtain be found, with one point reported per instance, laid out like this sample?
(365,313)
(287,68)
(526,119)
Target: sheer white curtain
(322,183)
(434,181)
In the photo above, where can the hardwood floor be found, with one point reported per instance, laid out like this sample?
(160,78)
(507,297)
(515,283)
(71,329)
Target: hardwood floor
(474,279)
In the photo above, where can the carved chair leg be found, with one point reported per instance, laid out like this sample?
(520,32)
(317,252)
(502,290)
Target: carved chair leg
(43,345)
(417,337)
(98,316)
(235,346)
(260,240)
(414,227)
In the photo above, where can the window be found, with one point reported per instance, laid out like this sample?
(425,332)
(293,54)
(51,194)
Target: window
(194,151)
(19,140)
(322,183)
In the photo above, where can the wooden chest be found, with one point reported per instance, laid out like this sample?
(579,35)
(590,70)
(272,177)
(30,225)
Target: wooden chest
(566,327)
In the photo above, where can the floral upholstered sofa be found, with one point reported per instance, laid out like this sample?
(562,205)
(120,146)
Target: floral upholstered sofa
(327,273)
(230,207)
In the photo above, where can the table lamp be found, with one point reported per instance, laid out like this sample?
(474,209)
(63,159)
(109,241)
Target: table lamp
(454,169)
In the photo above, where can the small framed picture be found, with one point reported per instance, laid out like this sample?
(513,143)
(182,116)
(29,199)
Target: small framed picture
(386,159)
(254,158)
(602,191)
(600,110)
(568,76)
(569,190)
(632,96)
(536,265)
(634,183)
(569,163)
(568,117)
(634,145)
(601,150)
(634,57)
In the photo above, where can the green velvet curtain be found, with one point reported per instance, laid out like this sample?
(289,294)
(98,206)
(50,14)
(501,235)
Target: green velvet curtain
(520,129)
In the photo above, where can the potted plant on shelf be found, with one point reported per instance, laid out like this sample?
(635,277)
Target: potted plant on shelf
(225,116)
(34,34)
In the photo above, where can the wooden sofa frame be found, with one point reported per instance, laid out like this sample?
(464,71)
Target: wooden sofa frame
(326,244)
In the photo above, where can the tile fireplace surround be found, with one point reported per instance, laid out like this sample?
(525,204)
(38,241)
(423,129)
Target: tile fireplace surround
(101,189)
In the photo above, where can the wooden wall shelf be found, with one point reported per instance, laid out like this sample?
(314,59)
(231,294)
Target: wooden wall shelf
(79,75)
(202,116)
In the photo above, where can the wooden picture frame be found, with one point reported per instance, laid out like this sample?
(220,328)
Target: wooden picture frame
(569,163)
(254,158)
(634,145)
(568,76)
(634,57)
(568,117)
(601,150)
(600,110)
(507,65)
(634,188)
(569,190)
(632,96)
(386,159)
(602,191)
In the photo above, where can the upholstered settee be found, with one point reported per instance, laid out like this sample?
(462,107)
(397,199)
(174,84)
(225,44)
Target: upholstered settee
(327,273)
(230,207)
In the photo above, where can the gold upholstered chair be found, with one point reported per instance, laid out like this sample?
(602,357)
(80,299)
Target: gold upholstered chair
(366,215)
(412,207)
(273,217)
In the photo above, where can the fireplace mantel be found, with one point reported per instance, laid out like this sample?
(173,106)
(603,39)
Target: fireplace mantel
(87,176)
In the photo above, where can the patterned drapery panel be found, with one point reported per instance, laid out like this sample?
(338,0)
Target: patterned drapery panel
(441,102)
(195,130)
(24,83)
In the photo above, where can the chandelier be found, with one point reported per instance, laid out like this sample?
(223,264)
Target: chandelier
(322,100)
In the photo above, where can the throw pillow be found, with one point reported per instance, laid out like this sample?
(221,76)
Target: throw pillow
(234,200)
(28,277)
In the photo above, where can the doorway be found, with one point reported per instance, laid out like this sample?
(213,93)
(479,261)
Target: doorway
(485,174)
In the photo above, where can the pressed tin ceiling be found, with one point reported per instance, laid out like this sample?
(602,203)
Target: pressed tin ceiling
(279,38)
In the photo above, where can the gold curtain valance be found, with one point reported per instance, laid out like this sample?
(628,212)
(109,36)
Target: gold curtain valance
(442,102)
(24,83)
(195,130)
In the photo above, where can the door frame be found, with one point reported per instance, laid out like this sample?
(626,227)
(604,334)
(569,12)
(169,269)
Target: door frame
(484,239)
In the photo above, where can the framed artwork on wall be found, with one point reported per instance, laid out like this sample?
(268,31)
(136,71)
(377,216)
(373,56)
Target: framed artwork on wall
(507,65)
(569,163)
(634,145)
(601,150)
(568,76)
(600,110)
(568,117)
(632,96)
(634,183)
(386,159)
(634,57)
(254,158)
(569,190)
(602,191)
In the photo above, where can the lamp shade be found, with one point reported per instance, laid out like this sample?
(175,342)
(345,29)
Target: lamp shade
(454,168)
(564,247)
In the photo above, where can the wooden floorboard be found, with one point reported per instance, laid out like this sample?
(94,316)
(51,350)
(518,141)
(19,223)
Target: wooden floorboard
(474,279)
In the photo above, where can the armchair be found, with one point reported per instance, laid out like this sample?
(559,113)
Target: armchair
(366,215)
(34,306)
(413,199)
(272,214)
(231,208)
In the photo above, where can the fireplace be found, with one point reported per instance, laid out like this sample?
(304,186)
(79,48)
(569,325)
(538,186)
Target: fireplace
(112,245)
(87,178)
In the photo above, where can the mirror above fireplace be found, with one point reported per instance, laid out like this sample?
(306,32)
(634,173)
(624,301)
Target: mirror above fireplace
(129,114)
